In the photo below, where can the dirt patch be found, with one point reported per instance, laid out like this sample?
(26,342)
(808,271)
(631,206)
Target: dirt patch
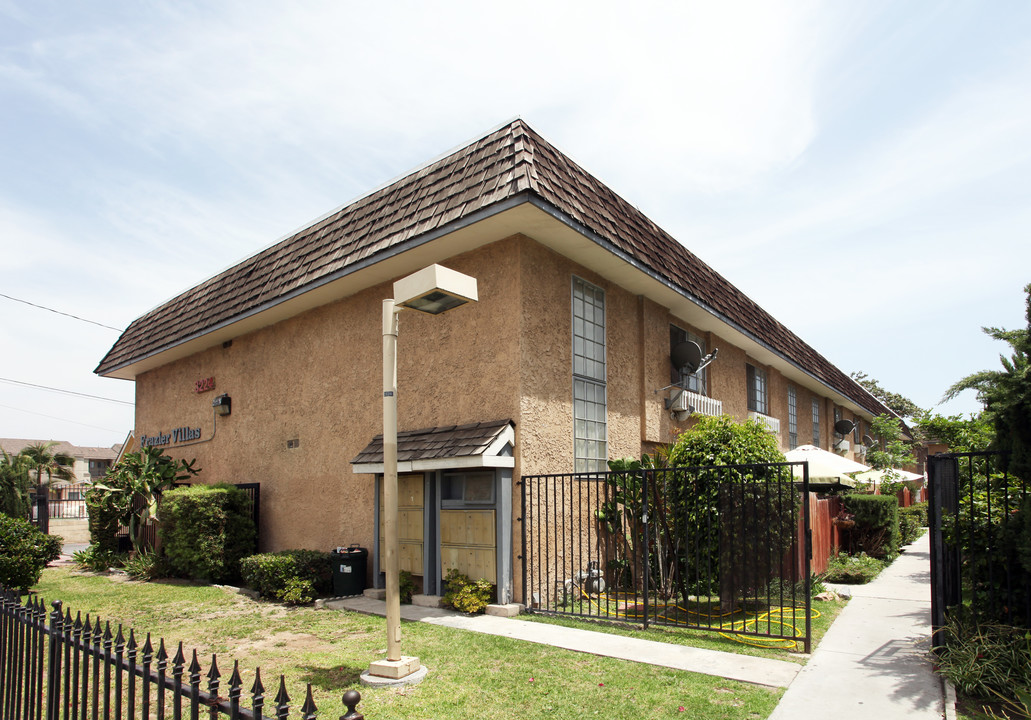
(280,641)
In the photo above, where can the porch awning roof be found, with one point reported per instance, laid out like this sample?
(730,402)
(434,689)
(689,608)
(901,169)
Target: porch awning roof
(483,444)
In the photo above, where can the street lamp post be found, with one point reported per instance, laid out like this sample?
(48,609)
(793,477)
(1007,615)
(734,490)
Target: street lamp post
(432,290)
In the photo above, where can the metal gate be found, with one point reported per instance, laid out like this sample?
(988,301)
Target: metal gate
(722,548)
(977,512)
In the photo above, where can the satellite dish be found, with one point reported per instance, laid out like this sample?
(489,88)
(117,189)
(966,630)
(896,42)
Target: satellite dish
(867,440)
(844,427)
(686,356)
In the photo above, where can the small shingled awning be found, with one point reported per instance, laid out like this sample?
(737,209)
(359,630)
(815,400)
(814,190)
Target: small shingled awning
(483,444)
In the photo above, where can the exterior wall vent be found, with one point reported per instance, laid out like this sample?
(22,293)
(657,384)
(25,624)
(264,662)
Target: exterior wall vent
(772,424)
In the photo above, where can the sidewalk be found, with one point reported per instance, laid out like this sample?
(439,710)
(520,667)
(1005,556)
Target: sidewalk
(873,662)
(756,670)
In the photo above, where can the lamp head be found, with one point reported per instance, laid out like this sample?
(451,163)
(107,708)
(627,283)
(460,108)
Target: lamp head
(434,290)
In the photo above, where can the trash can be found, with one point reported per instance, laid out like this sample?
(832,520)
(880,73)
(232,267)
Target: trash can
(349,570)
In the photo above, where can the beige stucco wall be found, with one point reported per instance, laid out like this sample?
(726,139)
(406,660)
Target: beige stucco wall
(317,378)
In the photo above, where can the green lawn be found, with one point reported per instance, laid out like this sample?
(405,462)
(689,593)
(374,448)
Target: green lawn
(471,675)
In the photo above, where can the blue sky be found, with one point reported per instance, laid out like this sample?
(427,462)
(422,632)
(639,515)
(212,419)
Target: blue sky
(859,169)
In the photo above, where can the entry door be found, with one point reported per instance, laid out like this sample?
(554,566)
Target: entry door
(410,508)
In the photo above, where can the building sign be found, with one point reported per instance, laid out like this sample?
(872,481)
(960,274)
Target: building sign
(202,386)
(178,435)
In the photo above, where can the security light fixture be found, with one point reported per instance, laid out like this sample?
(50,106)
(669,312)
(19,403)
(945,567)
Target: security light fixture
(432,290)
(223,405)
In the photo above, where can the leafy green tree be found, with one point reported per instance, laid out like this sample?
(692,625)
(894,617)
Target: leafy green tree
(15,484)
(145,474)
(891,452)
(959,434)
(1006,394)
(43,461)
(898,404)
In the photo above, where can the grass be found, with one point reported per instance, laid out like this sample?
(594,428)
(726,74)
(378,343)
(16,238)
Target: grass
(471,675)
(825,614)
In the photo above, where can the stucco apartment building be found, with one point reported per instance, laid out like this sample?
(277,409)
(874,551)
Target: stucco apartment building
(559,366)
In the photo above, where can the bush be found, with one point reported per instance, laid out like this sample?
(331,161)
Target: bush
(877,524)
(294,577)
(987,662)
(97,560)
(24,552)
(852,569)
(465,595)
(406,587)
(145,566)
(909,523)
(207,530)
(105,510)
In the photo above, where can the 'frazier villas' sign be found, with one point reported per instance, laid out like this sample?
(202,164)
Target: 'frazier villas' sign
(182,434)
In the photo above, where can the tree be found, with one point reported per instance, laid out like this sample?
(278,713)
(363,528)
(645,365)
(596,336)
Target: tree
(145,474)
(891,452)
(1006,394)
(898,404)
(52,464)
(958,434)
(15,485)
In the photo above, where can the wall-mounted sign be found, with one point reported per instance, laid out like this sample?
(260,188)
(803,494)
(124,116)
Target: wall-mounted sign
(178,435)
(202,386)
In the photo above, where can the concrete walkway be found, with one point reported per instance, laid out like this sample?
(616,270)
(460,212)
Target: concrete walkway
(760,671)
(873,662)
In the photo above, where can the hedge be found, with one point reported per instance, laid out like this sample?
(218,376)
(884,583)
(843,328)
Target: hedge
(206,530)
(294,577)
(877,524)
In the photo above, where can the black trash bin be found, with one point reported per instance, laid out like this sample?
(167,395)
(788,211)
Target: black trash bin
(349,570)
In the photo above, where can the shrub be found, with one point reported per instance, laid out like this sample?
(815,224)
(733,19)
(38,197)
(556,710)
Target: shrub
(406,587)
(24,552)
(852,569)
(105,510)
(909,524)
(877,524)
(207,530)
(294,577)
(918,509)
(986,661)
(145,566)
(465,595)
(97,560)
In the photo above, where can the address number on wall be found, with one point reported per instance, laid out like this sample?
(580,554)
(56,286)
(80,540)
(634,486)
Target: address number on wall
(204,385)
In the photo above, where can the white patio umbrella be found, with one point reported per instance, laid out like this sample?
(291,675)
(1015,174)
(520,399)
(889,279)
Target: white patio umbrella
(825,467)
(876,476)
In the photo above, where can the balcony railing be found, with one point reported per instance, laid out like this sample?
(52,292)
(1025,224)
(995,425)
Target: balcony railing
(772,424)
(705,405)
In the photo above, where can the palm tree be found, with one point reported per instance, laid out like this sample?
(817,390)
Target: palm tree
(53,464)
(15,485)
(1006,394)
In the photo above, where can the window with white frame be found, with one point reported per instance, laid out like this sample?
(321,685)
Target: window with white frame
(756,379)
(792,418)
(696,381)
(590,428)
(816,422)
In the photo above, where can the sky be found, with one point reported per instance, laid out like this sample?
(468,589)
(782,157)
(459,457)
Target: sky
(861,170)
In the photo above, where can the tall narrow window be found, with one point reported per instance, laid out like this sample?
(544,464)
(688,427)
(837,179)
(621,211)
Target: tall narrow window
(792,418)
(756,379)
(816,422)
(590,434)
(695,382)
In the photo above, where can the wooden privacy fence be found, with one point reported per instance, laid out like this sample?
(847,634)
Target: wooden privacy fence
(54,667)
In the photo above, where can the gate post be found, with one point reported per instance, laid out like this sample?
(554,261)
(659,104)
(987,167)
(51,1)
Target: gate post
(943,497)
(43,508)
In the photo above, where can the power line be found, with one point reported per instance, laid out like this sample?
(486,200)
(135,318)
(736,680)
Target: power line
(65,392)
(54,417)
(74,317)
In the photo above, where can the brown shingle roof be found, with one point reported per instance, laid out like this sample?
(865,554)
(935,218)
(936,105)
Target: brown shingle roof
(498,167)
(454,441)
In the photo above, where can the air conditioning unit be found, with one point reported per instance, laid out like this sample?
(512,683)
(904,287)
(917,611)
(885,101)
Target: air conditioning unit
(842,446)
(681,402)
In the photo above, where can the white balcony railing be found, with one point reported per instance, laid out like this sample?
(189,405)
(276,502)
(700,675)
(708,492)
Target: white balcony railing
(772,424)
(705,405)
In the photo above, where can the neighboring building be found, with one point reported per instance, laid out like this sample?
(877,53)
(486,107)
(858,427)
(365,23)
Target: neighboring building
(560,366)
(91,463)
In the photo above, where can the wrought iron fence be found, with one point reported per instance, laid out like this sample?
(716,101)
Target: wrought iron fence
(722,548)
(53,666)
(977,513)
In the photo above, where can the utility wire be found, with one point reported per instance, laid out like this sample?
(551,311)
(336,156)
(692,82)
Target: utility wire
(65,392)
(75,317)
(54,417)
